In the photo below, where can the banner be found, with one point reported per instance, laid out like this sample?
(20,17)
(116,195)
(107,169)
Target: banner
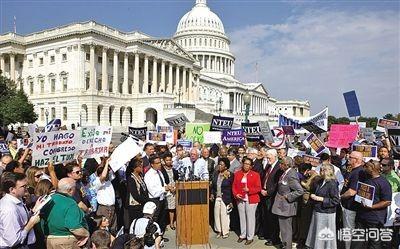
(365,194)
(195,131)
(369,152)
(139,132)
(252,131)
(161,128)
(368,134)
(314,161)
(23,143)
(266,131)
(394,138)
(233,137)
(4,148)
(341,135)
(186,143)
(316,145)
(295,152)
(156,137)
(123,153)
(353,108)
(320,119)
(212,137)
(383,123)
(178,120)
(94,141)
(219,123)
(310,127)
(57,146)
(53,125)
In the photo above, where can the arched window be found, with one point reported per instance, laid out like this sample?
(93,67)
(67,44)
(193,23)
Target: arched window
(65,114)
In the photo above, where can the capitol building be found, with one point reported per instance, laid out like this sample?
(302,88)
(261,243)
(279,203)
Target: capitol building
(93,74)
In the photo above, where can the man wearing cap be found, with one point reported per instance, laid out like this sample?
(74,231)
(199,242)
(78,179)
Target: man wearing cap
(390,175)
(138,226)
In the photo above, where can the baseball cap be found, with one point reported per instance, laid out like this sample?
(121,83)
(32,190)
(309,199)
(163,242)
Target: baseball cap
(149,207)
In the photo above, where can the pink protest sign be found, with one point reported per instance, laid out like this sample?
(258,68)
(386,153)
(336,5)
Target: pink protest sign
(341,135)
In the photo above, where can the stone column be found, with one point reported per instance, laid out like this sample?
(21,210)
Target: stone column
(126,117)
(2,65)
(125,85)
(146,75)
(162,84)
(104,118)
(177,84)
(203,61)
(184,90)
(136,74)
(12,66)
(170,76)
(234,103)
(154,82)
(104,73)
(190,89)
(233,68)
(92,74)
(209,62)
(115,73)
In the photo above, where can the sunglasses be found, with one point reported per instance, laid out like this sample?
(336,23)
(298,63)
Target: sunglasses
(38,175)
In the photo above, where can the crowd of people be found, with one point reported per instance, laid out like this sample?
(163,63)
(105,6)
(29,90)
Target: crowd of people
(255,191)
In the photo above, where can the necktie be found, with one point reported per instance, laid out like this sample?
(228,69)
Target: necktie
(267,175)
(161,179)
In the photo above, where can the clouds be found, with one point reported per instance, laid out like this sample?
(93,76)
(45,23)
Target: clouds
(320,54)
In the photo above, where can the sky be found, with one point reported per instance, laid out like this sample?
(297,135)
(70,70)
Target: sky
(304,50)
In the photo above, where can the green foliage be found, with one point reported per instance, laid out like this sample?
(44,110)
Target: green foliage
(14,104)
(370,121)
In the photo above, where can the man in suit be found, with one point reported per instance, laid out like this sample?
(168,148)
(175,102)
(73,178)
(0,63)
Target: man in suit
(205,154)
(148,150)
(235,164)
(269,185)
(285,205)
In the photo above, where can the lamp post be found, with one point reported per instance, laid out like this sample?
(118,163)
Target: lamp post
(47,116)
(220,105)
(179,97)
(80,119)
(246,101)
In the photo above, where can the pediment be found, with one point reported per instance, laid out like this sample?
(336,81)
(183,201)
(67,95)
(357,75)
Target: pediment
(168,45)
(261,89)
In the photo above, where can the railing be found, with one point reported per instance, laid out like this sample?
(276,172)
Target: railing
(179,105)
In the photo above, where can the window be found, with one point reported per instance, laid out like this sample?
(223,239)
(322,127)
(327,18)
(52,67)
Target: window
(41,114)
(87,56)
(53,85)
(21,85)
(53,113)
(130,67)
(301,111)
(110,61)
(31,87)
(41,85)
(64,57)
(205,42)
(110,83)
(99,59)
(20,64)
(30,62)
(41,61)
(121,65)
(52,59)
(99,84)
(64,83)
(65,116)
(87,82)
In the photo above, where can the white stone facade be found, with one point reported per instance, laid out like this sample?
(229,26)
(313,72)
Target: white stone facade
(92,74)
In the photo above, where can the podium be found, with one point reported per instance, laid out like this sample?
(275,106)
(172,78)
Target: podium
(192,213)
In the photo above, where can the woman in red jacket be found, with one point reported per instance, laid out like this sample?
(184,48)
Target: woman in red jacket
(246,186)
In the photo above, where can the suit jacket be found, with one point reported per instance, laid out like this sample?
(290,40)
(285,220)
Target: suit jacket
(235,166)
(226,188)
(330,192)
(253,184)
(289,189)
(211,167)
(138,193)
(273,179)
(165,174)
(258,167)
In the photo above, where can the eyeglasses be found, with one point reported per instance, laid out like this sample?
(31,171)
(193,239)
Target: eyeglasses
(77,172)
(38,175)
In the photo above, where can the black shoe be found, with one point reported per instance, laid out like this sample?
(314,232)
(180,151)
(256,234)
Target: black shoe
(268,243)
(240,240)
(261,238)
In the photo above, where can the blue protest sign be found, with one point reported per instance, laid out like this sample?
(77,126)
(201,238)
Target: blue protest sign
(352,105)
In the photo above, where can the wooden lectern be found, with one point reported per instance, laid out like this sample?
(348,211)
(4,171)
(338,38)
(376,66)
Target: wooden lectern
(192,213)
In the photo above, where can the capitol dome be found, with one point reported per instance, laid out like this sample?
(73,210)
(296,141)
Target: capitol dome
(200,18)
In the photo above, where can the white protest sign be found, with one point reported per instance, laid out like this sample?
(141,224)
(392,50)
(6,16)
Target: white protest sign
(94,141)
(57,146)
(212,137)
(365,194)
(23,143)
(123,154)
(295,152)
(393,211)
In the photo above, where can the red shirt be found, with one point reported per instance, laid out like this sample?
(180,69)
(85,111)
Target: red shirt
(253,184)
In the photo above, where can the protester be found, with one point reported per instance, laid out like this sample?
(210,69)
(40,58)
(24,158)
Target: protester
(383,153)
(325,200)
(195,167)
(326,160)
(171,176)
(222,196)
(234,162)
(246,186)
(149,151)
(285,204)
(74,172)
(210,163)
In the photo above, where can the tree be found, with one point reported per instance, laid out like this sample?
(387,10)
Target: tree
(14,104)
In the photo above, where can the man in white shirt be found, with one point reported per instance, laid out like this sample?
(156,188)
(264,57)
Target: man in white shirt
(195,167)
(105,195)
(157,189)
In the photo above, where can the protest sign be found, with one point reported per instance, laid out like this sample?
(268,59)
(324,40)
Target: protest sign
(316,145)
(383,123)
(139,132)
(353,108)
(32,128)
(161,128)
(4,148)
(23,143)
(320,119)
(56,146)
(360,124)
(393,211)
(295,152)
(310,127)
(233,137)
(195,131)
(341,135)
(219,123)
(279,138)
(94,141)
(288,130)
(156,137)
(123,153)
(212,137)
(252,131)
(314,161)
(368,151)
(368,134)
(365,194)
(266,131)
(186,143)
(394,138)
(178,120)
